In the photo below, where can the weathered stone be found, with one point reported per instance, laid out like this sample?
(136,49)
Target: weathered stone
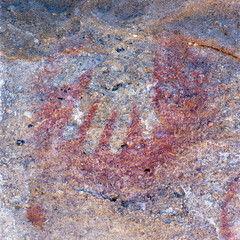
(119,119)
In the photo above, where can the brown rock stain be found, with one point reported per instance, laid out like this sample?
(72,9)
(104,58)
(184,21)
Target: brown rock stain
(36,215)
(226,231)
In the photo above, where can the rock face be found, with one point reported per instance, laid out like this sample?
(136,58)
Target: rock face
(120,119)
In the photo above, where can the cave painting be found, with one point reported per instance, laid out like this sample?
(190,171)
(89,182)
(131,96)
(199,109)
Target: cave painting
(181,92)
(182,88)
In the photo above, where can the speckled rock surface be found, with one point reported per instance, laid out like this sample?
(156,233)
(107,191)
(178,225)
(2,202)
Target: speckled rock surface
(119,119)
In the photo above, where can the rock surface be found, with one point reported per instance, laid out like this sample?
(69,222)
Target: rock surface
(120,119)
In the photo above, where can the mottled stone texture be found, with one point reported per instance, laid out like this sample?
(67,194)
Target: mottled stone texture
(120,120)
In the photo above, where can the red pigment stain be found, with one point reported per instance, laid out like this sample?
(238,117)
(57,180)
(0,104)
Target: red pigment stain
(226,230)
(181,92)
(36,215)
